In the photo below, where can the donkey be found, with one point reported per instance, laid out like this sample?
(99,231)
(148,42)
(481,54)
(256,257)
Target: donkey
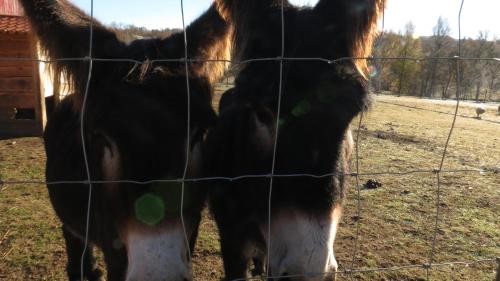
(135,130)
(319,100)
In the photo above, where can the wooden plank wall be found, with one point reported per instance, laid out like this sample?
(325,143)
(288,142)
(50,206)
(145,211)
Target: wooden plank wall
(19,86)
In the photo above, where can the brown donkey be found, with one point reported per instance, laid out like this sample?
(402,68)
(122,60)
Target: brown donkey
(135,130)
(319,100)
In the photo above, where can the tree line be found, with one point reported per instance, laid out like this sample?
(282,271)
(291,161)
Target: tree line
(128,33)
(433,75)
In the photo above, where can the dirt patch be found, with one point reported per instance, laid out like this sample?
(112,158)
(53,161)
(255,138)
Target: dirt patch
(398,138)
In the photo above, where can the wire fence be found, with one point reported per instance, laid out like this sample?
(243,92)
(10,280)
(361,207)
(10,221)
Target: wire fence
(439,111)
(352,269)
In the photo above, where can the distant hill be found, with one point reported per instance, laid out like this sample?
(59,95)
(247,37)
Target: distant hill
(129,33)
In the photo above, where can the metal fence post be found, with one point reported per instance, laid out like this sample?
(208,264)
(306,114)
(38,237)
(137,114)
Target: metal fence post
(498,269)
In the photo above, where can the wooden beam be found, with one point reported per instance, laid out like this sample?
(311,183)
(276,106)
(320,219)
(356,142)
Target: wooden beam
(15,45)
(13,36)
(7,113)
(40,112)
(20,128)
(18,100)
(16,71)
(15,53)
(15,63)
(17,84)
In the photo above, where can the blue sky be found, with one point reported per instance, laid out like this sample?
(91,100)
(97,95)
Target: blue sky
(477,14)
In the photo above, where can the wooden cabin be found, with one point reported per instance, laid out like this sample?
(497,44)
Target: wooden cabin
(22,108)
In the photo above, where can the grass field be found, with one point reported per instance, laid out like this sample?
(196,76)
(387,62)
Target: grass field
(396,221)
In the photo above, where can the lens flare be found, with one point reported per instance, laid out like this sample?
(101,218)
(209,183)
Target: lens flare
(372,71)
(150,209)
(302,108)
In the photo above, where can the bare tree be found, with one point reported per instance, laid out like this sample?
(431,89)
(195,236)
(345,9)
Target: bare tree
(479,79)
(433,69)
(386,45)
(405,69)
(492,69)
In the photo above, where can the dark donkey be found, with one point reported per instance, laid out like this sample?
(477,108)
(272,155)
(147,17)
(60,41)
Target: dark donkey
(135,130)
(319,100)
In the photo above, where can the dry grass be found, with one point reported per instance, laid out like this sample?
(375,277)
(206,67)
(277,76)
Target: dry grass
(396,223)
(397,220)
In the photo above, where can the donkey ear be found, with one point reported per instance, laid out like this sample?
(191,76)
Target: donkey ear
(64,29)
(359,9)
(64,32)
(355,18)
(209,38)
(354,23)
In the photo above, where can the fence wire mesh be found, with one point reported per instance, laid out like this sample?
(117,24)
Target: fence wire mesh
(84,146)
(438,172)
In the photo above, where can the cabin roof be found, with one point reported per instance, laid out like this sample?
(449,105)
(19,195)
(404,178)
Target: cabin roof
(14,24)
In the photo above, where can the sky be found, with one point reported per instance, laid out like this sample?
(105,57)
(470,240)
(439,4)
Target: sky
(477,15)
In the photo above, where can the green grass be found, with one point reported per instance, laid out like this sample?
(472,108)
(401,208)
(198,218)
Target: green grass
(396,223)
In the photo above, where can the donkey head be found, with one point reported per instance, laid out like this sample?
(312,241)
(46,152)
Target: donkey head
(140,137)
(318,102)
(136,127)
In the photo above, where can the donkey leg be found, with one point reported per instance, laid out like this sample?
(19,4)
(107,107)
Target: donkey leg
(194,235)
(259,263)
(115,257)
(234,254)
(74,250)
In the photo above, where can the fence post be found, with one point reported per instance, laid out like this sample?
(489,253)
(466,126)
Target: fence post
(498,269)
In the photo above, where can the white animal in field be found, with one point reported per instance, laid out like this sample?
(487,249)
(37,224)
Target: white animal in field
(480,110)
